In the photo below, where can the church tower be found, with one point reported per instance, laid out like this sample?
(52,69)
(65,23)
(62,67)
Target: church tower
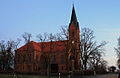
(74,28)
(74,39)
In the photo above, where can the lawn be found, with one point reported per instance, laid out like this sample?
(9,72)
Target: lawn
(28,76)
(38,76)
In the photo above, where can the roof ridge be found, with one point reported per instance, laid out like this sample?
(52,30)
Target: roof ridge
(35,43)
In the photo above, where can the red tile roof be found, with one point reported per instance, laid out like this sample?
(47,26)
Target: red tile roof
(31,45)
(54,46)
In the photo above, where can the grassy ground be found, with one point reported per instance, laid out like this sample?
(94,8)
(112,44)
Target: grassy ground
(5,76)
(38,76)
(28,76)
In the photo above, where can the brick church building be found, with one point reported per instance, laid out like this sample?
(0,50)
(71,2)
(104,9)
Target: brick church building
(53,56)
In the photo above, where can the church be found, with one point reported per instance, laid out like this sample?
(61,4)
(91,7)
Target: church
(54,56)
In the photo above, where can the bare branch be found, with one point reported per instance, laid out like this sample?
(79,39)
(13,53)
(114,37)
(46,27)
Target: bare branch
(27,37)
(89,49)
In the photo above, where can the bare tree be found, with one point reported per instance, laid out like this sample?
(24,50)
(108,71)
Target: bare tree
(89,47)
(46,58)
(118,53)
(27,37)
(118,63)
(7,54)
(64,36)
(42,38)
(64,32)
(43,59)
(51,37)
(27,57)
(118,48)
(97,62)
(59,37)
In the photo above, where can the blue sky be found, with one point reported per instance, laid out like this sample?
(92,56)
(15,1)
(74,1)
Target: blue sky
(39,16)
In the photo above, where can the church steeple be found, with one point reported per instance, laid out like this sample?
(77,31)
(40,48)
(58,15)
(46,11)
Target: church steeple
(73,17)
(74,27)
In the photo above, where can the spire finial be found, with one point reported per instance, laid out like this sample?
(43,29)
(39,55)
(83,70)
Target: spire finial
(73,2)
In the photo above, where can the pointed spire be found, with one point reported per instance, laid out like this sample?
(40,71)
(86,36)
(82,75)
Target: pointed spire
(73,17)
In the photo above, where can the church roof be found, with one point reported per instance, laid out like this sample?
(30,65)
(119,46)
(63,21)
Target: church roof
(73,17)
(31,46)
(54,46)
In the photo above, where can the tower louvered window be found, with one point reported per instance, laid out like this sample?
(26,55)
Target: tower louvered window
(73,34)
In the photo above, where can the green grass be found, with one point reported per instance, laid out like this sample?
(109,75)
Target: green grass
(28,76)
(5,76)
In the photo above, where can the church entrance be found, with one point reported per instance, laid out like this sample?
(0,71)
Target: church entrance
(54,68)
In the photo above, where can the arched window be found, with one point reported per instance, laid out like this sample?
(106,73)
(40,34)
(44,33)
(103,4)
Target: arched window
(30,58)
(36,59)
(24,58)
(18,58)
(54,59)
(62,59)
